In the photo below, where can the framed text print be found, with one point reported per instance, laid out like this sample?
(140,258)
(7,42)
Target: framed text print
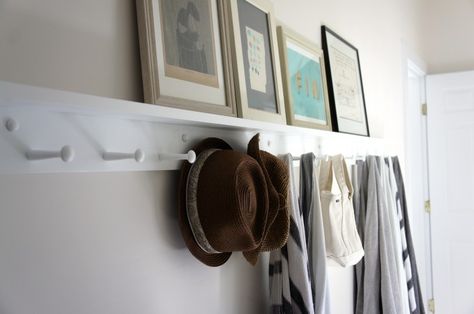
(346,92)
(256,61)
(304,81)
(184,55)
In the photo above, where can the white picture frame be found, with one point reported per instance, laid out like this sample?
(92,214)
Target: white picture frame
(241,57)
(172,84)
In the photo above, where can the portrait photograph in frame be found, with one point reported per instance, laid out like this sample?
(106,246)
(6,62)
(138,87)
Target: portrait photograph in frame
(256,60)
(183,48)
(304,81)
(345,88)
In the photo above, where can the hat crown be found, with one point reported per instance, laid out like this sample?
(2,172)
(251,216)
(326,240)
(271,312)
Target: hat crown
(232,201)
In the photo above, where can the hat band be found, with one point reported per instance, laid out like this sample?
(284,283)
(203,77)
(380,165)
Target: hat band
(191,202)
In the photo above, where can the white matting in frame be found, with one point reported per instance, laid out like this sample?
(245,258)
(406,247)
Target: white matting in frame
(173,87)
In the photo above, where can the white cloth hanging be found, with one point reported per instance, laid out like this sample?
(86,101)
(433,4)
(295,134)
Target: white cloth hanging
(343,243)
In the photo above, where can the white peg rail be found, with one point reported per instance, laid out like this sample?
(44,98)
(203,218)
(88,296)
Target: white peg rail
(12,125)
(39,121)
(189,157)
(138,156)
(66,154)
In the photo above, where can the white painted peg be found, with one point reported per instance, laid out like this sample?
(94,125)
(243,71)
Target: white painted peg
(12,125)
(66,154)
(320,148)
(189,156)
(138,155)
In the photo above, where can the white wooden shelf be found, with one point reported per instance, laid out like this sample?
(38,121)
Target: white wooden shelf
(50,119)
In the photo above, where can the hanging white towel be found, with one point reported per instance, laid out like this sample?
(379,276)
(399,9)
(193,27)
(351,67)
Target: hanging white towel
(290,283)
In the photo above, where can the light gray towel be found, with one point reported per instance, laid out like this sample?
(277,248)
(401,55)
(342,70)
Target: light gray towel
(389,278)
(372,277)
(381,281)
(359,182)
(310,203)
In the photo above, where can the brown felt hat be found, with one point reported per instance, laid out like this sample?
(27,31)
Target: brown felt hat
(277,177)
(228,203)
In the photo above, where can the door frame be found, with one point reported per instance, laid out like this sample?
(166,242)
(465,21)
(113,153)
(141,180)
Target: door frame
(414,69)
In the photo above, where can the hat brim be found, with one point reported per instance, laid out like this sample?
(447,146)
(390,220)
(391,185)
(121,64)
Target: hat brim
(209,259)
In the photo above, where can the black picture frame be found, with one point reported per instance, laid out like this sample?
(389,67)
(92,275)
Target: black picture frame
(345,86)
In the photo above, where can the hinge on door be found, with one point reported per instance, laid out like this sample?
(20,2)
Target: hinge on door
(431,305)
(428,206)
(424,109)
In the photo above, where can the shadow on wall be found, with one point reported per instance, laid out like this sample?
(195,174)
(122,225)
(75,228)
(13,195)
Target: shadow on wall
(167,216)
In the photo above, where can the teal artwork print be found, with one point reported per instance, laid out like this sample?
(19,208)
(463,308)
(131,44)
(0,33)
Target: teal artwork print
(306,87)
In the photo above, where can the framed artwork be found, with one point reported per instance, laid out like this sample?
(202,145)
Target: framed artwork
(304,81)
(184,53)
(346,92)
(256,60)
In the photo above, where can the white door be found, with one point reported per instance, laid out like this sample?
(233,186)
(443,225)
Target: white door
(450,99)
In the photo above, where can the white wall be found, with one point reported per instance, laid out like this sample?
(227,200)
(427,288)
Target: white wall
(109,243)
(85,46)
(381,30)
(448,27)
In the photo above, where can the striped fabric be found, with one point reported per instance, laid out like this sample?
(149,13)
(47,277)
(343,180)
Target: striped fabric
(290,279)
(406,256)
(415,280)
(387,281)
